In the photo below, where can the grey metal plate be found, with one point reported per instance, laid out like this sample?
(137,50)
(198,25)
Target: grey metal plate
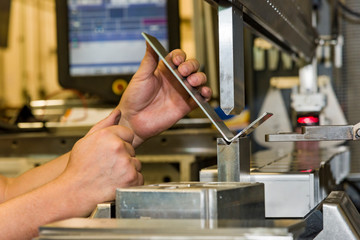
(227,134)
(156,229)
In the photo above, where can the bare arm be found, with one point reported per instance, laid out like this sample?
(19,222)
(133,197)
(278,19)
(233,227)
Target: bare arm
(34,178)
(98,164)
(21,216)
(162,103)
(105,158)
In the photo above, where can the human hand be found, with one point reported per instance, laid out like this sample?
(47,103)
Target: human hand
(154,99)
(101,162)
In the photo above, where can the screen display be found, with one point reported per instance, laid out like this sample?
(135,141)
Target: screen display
(105,35)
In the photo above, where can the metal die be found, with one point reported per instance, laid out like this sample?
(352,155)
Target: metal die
(192,200)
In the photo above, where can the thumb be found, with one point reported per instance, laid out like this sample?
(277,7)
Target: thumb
(110,120)
(148,63)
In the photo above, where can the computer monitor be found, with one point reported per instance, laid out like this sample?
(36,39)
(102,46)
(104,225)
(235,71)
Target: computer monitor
(100,44)
(4,22)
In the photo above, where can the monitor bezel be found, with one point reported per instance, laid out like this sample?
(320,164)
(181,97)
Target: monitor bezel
(101,85)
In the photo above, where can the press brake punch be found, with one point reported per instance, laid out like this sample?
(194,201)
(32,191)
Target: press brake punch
(233,149)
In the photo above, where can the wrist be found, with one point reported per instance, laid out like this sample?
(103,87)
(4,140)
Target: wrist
(49,203)
(73,201)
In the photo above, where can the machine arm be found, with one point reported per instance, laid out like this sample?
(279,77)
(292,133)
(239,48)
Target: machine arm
(287,24)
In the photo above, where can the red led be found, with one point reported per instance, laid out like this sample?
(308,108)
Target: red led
(308,120)
(306,171)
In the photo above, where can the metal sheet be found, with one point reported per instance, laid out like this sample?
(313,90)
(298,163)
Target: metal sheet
(194,93)
(207,109)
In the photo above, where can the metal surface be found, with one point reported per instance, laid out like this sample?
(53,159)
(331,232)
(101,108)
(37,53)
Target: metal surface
(192,200)
(233,160)
(205,106)
(341,218)
(317,133)
(231,58)
(165,229)
(295,182)
(285,23)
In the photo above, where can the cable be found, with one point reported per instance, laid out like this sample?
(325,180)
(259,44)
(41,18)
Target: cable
(347,10)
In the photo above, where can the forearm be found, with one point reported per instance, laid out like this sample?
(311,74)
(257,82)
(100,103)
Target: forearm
(35,177)
(21,216)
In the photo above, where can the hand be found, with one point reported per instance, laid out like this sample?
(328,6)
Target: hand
(154,99)
(101,162)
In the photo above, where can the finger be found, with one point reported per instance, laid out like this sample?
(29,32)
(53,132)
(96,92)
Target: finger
(120,142)
(136,163)
(197,79)
(110,120)
(177,56)
(130,149)
(206,92)
(140,179)
(126,134)
(136,178)
(189,67)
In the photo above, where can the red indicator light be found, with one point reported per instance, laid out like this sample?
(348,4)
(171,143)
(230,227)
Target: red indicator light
(307,170)
(308,120)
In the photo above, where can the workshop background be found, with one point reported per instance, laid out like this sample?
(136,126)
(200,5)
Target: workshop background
(28,66)
(29,73)
(291,179)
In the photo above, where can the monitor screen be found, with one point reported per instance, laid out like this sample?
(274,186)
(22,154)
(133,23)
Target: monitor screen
(100,42)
